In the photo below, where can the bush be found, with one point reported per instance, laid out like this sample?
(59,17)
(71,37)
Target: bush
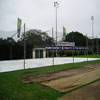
(64,53)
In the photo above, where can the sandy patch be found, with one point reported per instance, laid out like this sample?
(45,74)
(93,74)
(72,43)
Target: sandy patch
(90,92)
(57,74)
(67,79)
(68,83)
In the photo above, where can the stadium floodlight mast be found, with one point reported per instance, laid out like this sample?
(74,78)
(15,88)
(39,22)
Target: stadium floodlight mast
(56,5)
(92,19)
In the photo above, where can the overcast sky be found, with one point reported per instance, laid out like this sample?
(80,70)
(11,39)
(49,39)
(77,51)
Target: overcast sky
(75,15)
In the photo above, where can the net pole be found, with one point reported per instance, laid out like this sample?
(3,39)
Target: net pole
(24,46)
(87,46)
(97,46)
(52,46)
(73,47)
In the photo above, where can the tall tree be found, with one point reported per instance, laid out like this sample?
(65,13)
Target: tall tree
(35,39)
(77,37)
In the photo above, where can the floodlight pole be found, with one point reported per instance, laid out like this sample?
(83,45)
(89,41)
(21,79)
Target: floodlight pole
(24,46)
(92,19)
(56,5)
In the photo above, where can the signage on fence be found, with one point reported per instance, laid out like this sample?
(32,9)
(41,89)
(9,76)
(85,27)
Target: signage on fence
(66,48)
(66,44)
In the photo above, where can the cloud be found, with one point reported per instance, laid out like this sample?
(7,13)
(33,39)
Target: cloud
(75,15)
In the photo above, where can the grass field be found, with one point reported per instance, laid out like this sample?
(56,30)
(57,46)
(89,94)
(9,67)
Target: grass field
(89,56)
(13,89)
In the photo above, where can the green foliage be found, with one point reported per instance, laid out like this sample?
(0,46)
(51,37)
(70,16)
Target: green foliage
(78,38)
(36,38)
(67,53)
(10,49)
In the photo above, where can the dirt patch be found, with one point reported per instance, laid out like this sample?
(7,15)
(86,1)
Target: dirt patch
(68,79)
(91,92)
(68,83)
(47,77)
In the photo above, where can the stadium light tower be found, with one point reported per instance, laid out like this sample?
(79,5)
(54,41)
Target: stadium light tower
(92,19)
(56,5)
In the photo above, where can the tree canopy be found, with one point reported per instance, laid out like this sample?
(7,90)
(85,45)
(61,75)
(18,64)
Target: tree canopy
(77,37)
(36,38)
(11,49)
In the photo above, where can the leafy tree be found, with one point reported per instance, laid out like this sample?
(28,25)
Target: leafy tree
(35,39)
(10,49)
(6,48)
(78,38)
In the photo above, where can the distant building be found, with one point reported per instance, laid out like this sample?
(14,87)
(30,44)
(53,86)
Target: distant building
(61,46)
(39,53)
(65,46)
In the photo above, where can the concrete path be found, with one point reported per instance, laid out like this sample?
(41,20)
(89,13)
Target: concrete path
(11,65)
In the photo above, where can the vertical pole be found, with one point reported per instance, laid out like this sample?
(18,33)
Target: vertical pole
(92,18)
(24,46)
(87,46)
(52,47)
(10,51)
(56,32)
(73,46)
(56,5)
(97,45)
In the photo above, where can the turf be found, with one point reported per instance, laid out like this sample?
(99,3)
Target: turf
(89,56)
(13,89)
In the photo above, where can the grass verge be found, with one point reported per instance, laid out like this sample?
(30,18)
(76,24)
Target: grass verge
(89,56)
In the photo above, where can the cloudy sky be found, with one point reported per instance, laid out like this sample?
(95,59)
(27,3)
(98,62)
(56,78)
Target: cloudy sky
(75,15)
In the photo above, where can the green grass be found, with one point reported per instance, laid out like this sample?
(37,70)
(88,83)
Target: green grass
(13,89)
(89,56)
